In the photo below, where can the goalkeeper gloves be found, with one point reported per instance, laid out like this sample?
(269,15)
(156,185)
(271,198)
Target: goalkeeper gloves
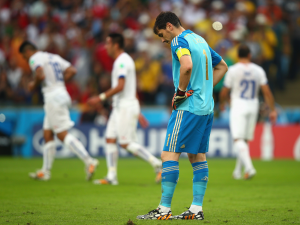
(180,96)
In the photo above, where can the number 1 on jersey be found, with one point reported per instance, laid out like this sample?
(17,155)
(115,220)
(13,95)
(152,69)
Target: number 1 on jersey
(206,62)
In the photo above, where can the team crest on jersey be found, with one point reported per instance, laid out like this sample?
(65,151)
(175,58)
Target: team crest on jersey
(122,65)
(31,62)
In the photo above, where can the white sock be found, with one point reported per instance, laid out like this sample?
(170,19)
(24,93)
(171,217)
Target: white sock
(238,166)
(164,209)
(138,150)
(112,156)
(77,147)
(49,151)
(195,208)
(244,155)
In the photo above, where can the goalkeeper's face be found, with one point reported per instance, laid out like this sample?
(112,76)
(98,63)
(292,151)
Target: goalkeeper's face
(165,35)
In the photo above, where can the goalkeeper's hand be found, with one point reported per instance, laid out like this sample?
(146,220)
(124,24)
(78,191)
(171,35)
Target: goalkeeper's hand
(180,96)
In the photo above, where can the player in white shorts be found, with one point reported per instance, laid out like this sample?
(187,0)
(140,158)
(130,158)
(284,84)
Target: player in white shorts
(244,79)
(123,120)
(51,71)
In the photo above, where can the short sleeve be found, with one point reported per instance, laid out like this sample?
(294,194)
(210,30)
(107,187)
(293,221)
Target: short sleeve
(121,70)
(228,78)
(215,57)
(35,62)
(179,42)
(64,64)
(263,77)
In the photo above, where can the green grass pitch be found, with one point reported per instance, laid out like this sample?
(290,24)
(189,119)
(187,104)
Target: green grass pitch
(272,197)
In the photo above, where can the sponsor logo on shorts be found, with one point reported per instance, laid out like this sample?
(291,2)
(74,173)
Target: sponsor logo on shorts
(182,146)
(205,178)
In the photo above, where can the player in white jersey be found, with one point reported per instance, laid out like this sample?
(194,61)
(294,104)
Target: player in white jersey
(123,120)
(51,71)
(244,79)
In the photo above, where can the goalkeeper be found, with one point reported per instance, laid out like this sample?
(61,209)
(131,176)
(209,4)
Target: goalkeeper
(196,69)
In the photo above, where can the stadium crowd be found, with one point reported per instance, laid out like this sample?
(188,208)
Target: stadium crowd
(76,30)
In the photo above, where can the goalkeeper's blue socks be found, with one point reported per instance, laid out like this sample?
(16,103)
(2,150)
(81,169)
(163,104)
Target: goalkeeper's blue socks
(170,174)
(200,171)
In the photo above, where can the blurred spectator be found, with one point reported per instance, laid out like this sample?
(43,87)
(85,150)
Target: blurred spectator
(218,13)
(97,115)
(14,73)
(271,10)
(73,90)
(5,90)
(192,12)
(282,51)
(294,11)
(165,90)
(103,58)
(21,93)
(50,40)
(90,90)
(148,73)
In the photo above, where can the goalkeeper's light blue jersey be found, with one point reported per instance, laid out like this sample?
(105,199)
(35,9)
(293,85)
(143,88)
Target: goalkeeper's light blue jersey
(201,82)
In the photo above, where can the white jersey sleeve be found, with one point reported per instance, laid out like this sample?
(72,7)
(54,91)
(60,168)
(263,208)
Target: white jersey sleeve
(263,77)
(121,69)
(64,64)
(36,61)
(228,78)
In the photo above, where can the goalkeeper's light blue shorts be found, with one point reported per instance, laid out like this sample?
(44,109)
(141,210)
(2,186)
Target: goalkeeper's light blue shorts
(188,132)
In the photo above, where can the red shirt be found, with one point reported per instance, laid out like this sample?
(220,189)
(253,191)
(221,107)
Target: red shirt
(103,58)
(271,12)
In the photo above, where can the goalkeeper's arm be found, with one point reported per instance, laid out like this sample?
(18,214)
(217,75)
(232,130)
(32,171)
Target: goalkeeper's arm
(186,66)
(219,71)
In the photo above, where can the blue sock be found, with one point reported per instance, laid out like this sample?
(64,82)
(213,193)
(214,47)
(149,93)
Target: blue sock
(170,174)
(199,182)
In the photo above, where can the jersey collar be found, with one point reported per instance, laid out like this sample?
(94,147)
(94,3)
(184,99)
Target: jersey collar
(183,33)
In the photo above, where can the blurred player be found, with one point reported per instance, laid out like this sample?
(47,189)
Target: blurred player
(123,120)
(196,69)
(244,79)
(51,71)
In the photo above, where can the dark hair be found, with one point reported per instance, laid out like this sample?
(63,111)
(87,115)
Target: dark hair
(27,45)
(243,51)
(163,18)
(117,38)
